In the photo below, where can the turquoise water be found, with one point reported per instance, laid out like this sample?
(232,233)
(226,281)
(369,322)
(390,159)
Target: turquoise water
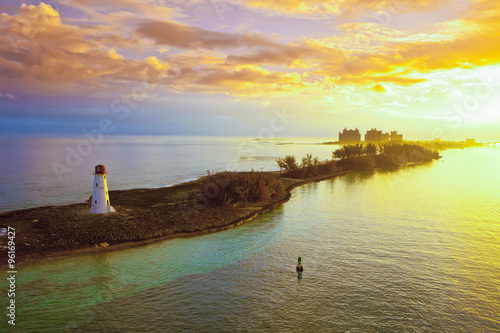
(408,250)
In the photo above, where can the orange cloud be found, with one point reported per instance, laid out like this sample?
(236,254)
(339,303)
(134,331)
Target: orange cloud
(378,88)
(281,55)
(187,37)
(42,52)
(42,55)
(341,8)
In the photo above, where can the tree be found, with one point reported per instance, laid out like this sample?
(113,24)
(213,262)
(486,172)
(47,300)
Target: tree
(357,150)
(348,151)
(281,163)
(290,163)
(341,153)
(307,161)
(338,153)
(370,149)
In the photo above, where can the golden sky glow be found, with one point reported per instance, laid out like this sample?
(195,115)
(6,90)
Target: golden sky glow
(426,68)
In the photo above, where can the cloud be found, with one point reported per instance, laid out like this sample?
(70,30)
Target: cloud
(7,95)
(145,8)
(378,88)
(44,52)
(340,8)
(42,55)
(280,55)
(188,37)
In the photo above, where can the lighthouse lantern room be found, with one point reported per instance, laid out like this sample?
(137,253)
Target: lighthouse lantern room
(100,196)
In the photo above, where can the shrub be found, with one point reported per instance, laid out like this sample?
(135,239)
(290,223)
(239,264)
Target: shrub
(309,168)
(357,163)
(288,163)
(327,168)
(307,161)
(385,161)
(349,151)
(409,152)
(241,188)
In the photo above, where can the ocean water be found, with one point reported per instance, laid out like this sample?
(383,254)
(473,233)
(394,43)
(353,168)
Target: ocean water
(409,250)
(40,171)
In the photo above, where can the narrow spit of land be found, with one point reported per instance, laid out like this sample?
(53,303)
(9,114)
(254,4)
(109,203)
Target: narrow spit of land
(143,216)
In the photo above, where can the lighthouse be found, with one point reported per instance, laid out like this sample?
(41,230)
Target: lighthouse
(100,196)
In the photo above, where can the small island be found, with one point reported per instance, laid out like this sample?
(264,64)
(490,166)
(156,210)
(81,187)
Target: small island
(212,203)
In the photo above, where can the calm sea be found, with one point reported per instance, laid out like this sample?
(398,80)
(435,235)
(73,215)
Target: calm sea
(408,250)
(40,172)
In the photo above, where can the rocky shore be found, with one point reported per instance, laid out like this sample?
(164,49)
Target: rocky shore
(143,216)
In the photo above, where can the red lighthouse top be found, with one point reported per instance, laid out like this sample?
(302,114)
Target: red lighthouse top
(100,170)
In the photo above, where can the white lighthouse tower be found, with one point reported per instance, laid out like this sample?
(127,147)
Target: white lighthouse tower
(100,196)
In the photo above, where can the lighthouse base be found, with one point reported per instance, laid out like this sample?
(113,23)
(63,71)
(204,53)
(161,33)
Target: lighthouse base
(105,210)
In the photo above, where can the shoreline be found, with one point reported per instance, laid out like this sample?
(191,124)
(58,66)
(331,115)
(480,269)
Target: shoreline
(146,216)
(53,254)
(56,254)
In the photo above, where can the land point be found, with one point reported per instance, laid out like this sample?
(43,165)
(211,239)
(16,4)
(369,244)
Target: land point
(212,203)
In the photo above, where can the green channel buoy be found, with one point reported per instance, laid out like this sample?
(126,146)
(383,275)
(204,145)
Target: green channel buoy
(299,267)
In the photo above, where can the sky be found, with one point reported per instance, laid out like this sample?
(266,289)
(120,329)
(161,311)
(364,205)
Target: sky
(257,68)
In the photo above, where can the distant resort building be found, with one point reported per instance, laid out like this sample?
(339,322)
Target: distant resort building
(396,137)
(374,135)
(470,142)
(371,136)
(349,136)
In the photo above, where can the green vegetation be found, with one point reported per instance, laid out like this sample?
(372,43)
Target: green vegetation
(310,167)
(407,153)
(356,157)
(309,161)
(370,149)
(348,151)
(356,150)
(237,189)
(288,163)
(403,152)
